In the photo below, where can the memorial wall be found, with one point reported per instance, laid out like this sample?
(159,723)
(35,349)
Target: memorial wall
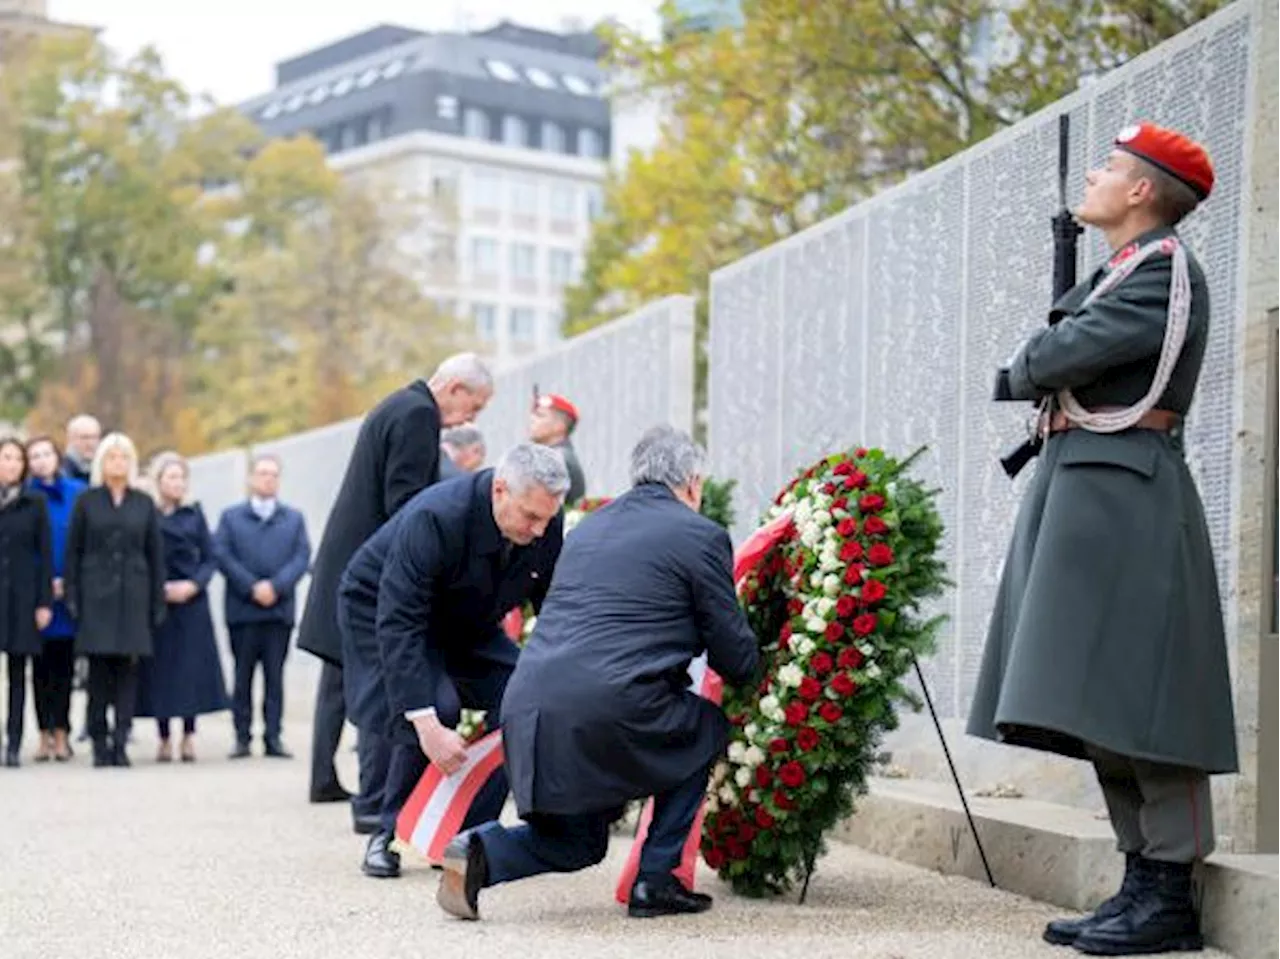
(884,325)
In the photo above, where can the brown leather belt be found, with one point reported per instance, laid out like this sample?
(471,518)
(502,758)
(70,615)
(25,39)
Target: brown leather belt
(1162,421)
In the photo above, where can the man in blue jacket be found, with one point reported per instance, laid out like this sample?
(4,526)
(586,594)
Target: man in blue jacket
(420,605)
(263,551)
(598,711)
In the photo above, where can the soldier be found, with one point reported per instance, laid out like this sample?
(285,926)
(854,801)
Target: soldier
(1107,640)
(552,420)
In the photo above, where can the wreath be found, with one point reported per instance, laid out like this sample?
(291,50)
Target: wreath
(836,605)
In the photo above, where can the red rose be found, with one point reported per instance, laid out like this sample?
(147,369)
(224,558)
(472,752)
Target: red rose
(739,720)
(746,832)
(796,714)
(792,775)
(851,551)
(858,479)
(865,624)
(846,528)
(874,526)
(829,488)
(833,632)
(822,663)
(860,452)
(764,686)
(763,819)
(849,658)
(845,607)
(873,591)
(795,607)
(763,776)
(880,555)
(842,685)
(830,711)
(853,575)
(714,859)
(843,468)
(735,850)
(779,745)
(871,503)
(810,689)
(840,502)
(783,801)
(785,633)
(807,739)
(851,482)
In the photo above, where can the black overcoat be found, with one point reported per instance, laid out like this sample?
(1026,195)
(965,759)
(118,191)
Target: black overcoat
(435,583)
(396,454)
(599,709)
(26,572)
(115,572)
(1107,628)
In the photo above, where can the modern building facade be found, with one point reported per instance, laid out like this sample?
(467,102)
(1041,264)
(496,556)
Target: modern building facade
(505,131)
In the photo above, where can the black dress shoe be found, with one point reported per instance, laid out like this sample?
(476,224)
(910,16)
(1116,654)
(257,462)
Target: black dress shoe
(366,825)
(1160,917)
(119,757)
(466,872)
(331,793)
(11,758)
(240,752)
(652,899)
(379,861)
(273,749)
(1063,932)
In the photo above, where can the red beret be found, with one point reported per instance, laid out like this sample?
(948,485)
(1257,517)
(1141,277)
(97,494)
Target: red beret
(554,401)
(1170,151)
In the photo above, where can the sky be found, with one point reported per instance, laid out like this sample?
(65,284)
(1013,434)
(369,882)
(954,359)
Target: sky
(228,48)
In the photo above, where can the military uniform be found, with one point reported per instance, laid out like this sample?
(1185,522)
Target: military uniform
(1106,641)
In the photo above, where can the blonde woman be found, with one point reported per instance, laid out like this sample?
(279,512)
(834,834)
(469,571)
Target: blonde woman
(184,678)
(114,585)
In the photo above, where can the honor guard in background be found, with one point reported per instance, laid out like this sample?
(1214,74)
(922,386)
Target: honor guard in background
(1107,640)
(553,419)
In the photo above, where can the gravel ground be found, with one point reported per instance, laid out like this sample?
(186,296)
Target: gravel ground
(221,860)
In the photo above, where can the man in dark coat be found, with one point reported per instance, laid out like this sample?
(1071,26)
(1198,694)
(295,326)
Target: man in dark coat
(421,605)
(396,454)
(1107,639)
(462,450)
(598,712)
(551,423)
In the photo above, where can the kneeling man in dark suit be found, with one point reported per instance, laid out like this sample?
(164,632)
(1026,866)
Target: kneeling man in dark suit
(599,710)
(421,602)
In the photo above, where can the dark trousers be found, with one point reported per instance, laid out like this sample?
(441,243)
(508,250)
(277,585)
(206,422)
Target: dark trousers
(52,678)
(365,699)
(17,696)
(326,732)
(251,644)
(113,681)
(188,726)
(549,843)
(480,687)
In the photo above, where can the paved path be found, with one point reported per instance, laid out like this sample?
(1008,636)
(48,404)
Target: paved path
(222,860)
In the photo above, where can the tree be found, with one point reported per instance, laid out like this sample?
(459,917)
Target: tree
(809,107)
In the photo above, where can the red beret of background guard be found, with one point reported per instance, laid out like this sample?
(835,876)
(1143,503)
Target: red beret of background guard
(554,401)
(1170,151)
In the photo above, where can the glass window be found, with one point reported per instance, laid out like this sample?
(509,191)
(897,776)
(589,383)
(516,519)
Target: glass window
(540,78)
(447,107)
(524,261)
(502,70)
(595,202)
(378,125)
(560,267)
(553,138)
(485,316)
(555,324)
(294,103)
(475,124)
(484,256)
(444,186)
(564,202)
(486,191)
(393,69)
(368,78)
(590,143)
(577,85)
(343,86)
(318,95)
(524,197)
(514,131)
(523,324)
(272,110)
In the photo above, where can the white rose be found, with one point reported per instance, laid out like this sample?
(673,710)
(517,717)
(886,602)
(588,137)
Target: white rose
(825,605)
(751,732)
(822,517)
(727,795)
(722,770)
(713,804)
(831,585)
(736,752)
(768,704)
(790,675)
(816,580)
(867,650)
(815,625)
(829,563)
(872,671)
(743,778)
(755,756)
(805,646)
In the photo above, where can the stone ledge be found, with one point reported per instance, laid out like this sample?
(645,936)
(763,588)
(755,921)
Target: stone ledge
(1052,853)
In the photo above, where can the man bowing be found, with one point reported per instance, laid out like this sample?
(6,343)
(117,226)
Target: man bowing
(420,605)
(598,711)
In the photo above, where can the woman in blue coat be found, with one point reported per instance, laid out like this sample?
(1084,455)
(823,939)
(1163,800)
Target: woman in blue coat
(52,674)
(184,678)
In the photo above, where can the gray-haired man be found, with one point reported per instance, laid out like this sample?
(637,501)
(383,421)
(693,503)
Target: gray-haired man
(419,607)
(598,711)
(464,451)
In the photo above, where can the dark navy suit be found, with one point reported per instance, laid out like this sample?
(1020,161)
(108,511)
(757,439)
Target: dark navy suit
(420,607)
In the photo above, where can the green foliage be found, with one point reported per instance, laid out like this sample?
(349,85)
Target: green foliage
(717,500)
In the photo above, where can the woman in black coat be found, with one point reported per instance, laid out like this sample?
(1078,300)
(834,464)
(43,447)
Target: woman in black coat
(114,585)
(184,678)
(26,581)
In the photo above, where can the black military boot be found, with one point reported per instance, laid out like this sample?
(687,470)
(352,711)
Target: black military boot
(1063,932)
(1161,917)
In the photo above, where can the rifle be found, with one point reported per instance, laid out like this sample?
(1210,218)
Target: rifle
(1065,232)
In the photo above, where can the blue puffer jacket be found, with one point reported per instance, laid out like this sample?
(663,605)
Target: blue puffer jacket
(60,494)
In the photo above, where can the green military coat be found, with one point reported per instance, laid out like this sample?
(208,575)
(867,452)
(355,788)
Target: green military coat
(1107,627)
